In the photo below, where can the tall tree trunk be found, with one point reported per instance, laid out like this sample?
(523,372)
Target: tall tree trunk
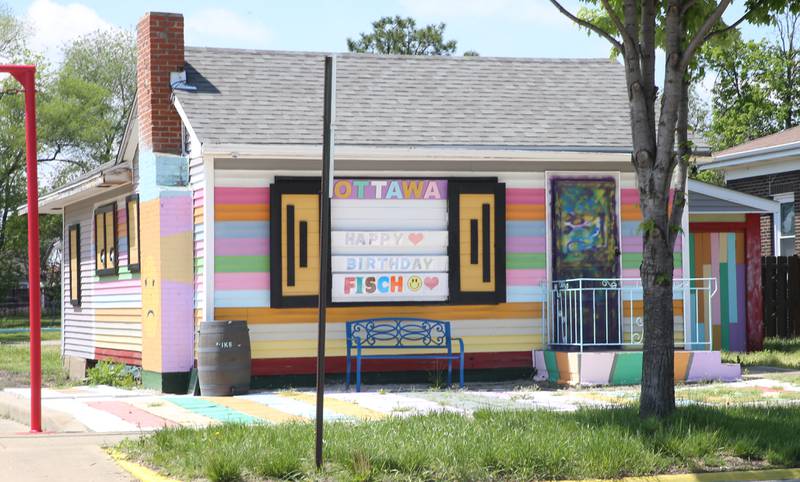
(657,397)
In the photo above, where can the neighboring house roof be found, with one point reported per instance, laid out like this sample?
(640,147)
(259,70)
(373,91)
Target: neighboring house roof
(781,146)
(269,97)
(707,198)
(781,138)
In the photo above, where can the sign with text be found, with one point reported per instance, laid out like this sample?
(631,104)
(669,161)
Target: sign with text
(410,189)
(389,242)
(403,264)
(390,286)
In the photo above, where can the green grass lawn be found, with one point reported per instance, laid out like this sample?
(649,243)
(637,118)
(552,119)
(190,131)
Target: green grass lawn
(15,365)
(777,352)
(24,337)
(493,445)
(22,321)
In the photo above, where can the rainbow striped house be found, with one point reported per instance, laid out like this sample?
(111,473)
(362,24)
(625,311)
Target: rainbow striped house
(467,189)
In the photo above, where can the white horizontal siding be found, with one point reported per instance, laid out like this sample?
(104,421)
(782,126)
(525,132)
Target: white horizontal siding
(83,329)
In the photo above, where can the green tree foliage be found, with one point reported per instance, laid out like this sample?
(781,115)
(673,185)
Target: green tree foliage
(757,90)
(398,35)
(82,106)
(100,70)
(661,154)
(12,34)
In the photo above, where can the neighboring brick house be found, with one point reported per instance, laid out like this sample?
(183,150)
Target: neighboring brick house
(768,167)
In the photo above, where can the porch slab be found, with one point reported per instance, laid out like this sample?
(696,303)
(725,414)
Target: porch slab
(624,367)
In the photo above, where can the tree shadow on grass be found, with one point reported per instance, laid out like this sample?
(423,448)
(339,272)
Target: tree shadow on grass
(694,432)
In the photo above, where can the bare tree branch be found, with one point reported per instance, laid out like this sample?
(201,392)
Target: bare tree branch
(700,36)
(729,27)
(594,28)
(80,164)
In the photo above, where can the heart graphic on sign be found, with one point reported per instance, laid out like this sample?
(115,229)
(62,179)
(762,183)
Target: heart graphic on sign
(431,282)
(416,238)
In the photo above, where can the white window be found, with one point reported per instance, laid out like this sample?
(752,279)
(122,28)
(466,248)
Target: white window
(786,224)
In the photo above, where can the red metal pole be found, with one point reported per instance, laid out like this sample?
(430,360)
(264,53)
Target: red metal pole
(26,75)
(34,290)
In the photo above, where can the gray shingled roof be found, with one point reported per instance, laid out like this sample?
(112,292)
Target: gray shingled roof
(268,97)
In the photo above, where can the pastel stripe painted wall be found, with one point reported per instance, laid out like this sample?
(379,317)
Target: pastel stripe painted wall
(721,256)
(241,247)
(107,325)
(197,185)
(284,339)
(289,333)
(632,244)
(526,245)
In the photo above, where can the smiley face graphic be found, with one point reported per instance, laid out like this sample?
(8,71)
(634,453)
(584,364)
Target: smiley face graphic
(414,283)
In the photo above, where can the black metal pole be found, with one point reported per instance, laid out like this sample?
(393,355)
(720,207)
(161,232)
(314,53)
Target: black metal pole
(324,241)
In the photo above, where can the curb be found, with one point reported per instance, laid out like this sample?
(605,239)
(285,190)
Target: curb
(19,410)
(769,474)
(138,471)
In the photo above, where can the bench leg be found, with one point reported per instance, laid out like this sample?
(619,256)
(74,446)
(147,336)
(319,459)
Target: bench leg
(461,370)
(358,373)
(449,373)
(347,370)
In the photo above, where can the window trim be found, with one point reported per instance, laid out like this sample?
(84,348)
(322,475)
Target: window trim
(279,187)
(110,207)
(783,198)
(455,188)
(136,267)
(74,300)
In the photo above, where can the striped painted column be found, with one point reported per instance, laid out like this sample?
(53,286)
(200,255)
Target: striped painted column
(167,271)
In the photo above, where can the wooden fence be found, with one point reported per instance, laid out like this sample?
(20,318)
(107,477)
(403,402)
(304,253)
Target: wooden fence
(780,279)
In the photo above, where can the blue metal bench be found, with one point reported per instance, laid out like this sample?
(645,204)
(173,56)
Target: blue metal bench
(402,333)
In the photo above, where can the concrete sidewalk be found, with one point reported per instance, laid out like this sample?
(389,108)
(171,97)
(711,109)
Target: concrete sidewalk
(103,409)
(57,457)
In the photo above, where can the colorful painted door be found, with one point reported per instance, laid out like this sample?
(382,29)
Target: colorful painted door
(719,255)
(585,244)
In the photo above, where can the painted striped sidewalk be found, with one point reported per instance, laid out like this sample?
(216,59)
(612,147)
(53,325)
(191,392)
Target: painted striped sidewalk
(107,409)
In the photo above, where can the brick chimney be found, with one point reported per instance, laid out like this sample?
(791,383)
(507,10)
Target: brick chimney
(159,44)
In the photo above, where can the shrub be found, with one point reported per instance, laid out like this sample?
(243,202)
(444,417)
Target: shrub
(114,374)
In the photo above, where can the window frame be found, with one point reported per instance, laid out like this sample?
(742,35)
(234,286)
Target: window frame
(455,188)
(279,187)
(781,199)
(105,208)
(133,267)
(74,300)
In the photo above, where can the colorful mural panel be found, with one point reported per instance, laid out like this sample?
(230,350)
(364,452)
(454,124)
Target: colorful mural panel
(721,256)
(585,244)
(585,238)
(625,368)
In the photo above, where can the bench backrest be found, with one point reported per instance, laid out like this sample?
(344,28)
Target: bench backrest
(399,333)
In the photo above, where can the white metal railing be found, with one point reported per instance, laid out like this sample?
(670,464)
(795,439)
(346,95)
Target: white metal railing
(608,312)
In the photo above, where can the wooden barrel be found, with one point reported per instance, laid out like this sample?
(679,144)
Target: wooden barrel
(223,358)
